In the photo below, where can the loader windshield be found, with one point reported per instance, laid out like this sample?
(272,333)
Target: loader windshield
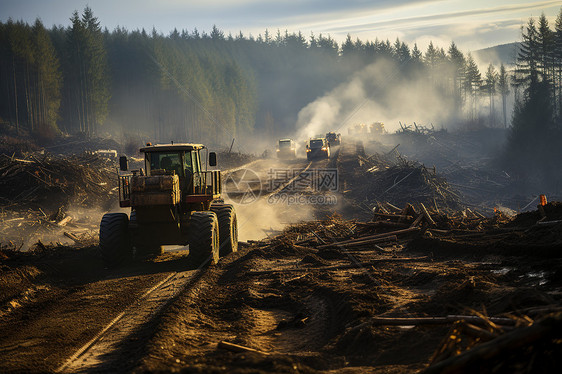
(169,161)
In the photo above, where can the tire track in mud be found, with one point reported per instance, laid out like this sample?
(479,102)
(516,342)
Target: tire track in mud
(286,315)
(104,350)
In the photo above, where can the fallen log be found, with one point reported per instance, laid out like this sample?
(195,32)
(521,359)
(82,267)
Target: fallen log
(64,221)
(386,234)
(426,215)
(339,267)
(391,215)
(392,207)
(390,224)
(390,238)
(72,236)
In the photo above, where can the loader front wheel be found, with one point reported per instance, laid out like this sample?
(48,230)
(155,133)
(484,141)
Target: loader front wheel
(115,243)
(203,237)
(228,228)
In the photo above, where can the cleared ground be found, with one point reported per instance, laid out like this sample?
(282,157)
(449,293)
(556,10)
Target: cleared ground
(302,308)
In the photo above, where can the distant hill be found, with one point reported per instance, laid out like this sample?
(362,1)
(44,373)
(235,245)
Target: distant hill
(504,53)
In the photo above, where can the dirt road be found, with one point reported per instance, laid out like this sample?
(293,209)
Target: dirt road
(65,311)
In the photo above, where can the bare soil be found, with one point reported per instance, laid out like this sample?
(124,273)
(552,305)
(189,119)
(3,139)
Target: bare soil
(300,307)
(276,298)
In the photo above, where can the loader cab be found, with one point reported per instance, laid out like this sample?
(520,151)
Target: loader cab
(182,163)
(182,159)
(185,161)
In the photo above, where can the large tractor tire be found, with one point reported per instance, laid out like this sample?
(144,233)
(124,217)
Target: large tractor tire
(228,228)
(203,238)
(115,242)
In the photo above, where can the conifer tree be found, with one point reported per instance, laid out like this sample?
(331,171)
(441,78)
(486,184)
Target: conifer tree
(503,87)
(472,84)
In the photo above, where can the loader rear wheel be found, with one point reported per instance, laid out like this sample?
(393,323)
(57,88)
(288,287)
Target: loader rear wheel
(228,228)
(115,243)
(203,237)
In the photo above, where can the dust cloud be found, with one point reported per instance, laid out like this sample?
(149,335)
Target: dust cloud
(378,93)
(262,218)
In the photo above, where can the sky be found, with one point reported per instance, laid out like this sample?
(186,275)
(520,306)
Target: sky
(472,24)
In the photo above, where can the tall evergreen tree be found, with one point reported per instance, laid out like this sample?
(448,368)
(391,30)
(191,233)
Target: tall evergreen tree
(527,67)
(558,65)
(417,58)
(535,143)
(431,60)
(490,83)
(47,82)
(458,65)
(472,84)
(503,87)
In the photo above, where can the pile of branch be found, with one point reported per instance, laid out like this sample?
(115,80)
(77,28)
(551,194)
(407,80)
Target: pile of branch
(36,179)
(390,226)
(408,182)
(230,159)
(393,226)
(416,129)
(534,347)
(338,233)
(24,229)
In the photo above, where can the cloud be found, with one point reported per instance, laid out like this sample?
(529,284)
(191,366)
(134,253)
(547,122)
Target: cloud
(407,19)
(441,18)
(467,35)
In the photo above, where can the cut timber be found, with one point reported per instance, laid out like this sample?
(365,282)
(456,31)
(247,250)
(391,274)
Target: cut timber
(238,348)
(390,224)
(466,362)
(377,236)
(390,215)
(392,207)
(64,221)
(72,236)
(340,267)
(426,215)
(415,321)
(390,238)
